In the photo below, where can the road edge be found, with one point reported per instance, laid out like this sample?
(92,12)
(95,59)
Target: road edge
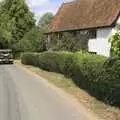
(72,99)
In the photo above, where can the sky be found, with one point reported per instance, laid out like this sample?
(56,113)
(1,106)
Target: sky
(39,7)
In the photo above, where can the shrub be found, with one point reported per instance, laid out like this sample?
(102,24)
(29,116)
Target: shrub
(83,68)
(95,74)
(86,68)
(109,82)
(30,58)
(66,62)
(115,42)
(69,42)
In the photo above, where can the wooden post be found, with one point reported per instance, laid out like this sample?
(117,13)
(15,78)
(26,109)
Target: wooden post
(58,38)
(58,35)
(48,41)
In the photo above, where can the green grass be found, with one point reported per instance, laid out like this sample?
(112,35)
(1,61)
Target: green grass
(104,111)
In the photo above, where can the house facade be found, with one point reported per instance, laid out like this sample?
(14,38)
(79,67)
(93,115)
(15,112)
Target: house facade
(100,16)
(101,44)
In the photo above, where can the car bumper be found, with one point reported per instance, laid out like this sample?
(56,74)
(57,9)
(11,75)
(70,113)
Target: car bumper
(6,61)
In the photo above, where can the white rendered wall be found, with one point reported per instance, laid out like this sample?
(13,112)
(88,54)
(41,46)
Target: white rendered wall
(101,44)
(118,20)
(92,45)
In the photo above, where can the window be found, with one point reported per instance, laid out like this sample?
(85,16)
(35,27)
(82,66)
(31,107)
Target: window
(92,34)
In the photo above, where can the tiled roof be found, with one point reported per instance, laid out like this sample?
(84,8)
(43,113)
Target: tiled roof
(84,14)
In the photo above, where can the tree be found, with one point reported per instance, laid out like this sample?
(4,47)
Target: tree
(4,35)
(115,43)
(45,21)
(15,20)
(33,41)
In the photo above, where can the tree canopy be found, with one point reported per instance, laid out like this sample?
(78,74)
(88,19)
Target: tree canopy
(18,30)
(45,20)
(33,41)
(15,21)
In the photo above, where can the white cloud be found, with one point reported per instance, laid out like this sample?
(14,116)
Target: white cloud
(39,7)
(37,3)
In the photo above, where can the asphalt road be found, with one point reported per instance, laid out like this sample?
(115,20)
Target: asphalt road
(24,96)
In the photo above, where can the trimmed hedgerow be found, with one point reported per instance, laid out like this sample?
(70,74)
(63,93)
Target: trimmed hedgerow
(30,58)
(83,68)
(95,74)
(108,82)
(66,62)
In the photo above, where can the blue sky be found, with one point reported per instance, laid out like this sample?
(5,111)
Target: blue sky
(39,7)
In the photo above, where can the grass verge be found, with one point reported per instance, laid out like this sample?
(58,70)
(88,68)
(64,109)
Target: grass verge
(102,110)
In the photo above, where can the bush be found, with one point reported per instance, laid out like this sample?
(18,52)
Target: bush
(66,62)
(109,82)
(69,42)
(95,74)
(30,59)
(86,68)
(115,43)
(83,68)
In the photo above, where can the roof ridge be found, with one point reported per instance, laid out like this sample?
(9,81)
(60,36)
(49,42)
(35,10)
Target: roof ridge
(84,14)
(69,2)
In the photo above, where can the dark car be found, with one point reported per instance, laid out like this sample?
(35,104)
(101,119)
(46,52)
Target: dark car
(6,56)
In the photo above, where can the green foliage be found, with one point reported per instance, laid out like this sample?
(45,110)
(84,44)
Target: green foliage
(98,76)
(15,20)
(45,21)
(95,74)
(3,42)
(18,30)
(108,86)
(30,58)
(86,69)
(67,62)
(33,41)
(115,41)
(69,42)
(47,60)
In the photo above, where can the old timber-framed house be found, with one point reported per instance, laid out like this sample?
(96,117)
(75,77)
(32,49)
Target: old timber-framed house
(99,16)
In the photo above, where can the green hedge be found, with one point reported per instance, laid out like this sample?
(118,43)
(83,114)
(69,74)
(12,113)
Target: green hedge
(66,62)
(95,74)
(109,82)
